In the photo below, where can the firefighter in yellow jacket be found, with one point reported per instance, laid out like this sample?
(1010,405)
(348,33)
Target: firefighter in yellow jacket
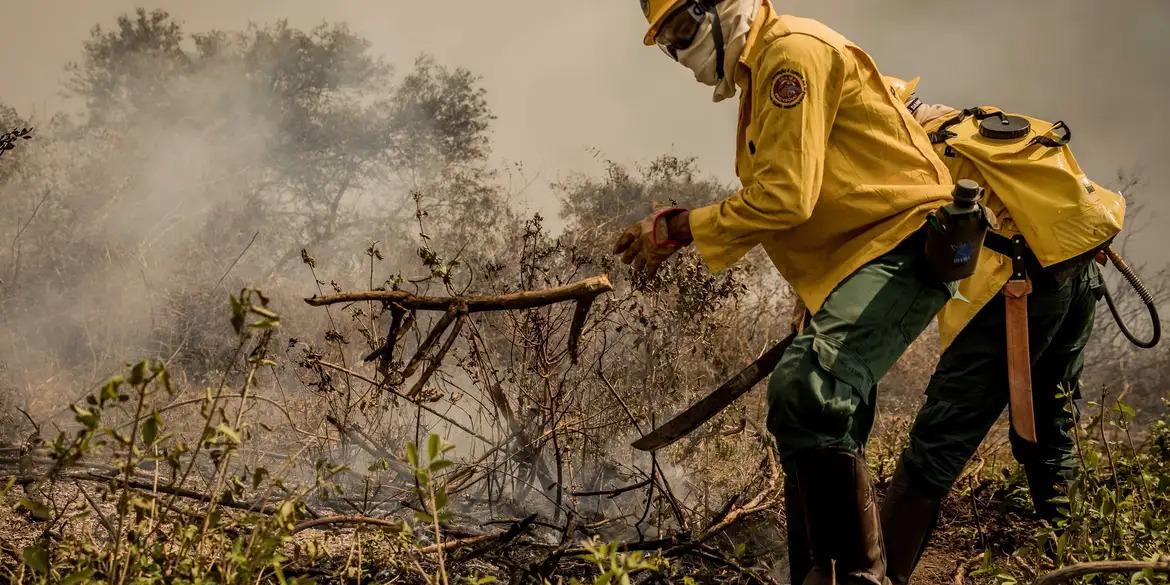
(837,181)
(1043,203)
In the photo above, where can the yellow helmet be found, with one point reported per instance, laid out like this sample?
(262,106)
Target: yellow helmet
(656,11)
(903,90)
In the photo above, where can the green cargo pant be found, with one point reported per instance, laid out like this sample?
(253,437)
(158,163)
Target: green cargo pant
(823,392)
(969,390)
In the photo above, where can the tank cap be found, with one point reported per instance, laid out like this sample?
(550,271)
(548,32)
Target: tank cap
(1004,127)
(966,193)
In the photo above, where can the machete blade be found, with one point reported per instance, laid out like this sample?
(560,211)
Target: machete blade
(712,404)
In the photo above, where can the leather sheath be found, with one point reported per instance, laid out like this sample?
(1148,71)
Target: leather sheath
(1019,361)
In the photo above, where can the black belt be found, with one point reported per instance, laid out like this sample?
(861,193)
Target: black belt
(1025,263)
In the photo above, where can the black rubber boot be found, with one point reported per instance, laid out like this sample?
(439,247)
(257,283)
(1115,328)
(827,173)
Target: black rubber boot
(1045,487)
(909,516)
(799,555)
(841,519)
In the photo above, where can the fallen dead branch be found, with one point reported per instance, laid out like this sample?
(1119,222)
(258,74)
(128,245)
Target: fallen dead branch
(434,361)
(456,309)
(145,486)
(445,546)
(612,493)
(454,313)
(676,546)
(334,520)
(518,528)
(362,440)
(587,289)
(686,543)
(1071,572)
(711,555)
(764,500)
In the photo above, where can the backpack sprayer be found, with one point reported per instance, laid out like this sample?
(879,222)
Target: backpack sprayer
(956,236)
(958,229)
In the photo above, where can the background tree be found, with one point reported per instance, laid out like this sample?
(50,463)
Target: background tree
(270,139)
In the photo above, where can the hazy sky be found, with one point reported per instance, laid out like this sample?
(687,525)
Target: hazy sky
(571,82)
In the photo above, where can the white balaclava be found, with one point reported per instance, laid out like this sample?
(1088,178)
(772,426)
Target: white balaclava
(735,17)
(927,113)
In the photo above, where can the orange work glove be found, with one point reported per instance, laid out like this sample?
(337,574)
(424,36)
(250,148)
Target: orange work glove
(649,243)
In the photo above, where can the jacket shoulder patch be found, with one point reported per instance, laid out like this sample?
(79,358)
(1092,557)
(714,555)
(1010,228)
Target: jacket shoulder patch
(788,88)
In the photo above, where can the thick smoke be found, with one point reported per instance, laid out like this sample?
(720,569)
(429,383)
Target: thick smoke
(199,165)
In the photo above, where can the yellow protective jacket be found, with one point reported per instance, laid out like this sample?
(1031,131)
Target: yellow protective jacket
(1032,189)
(835,171)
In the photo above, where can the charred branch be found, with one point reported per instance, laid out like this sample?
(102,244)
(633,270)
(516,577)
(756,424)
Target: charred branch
(589,289)
(453,312)
(614,492)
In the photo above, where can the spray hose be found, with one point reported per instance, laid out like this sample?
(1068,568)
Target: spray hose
(1124,268)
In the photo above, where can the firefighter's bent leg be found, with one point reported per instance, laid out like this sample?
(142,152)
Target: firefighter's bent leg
(821,404)
(966,395)
(1056,376)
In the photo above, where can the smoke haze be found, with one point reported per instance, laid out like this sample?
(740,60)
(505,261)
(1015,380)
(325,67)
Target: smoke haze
(565,78)
(571,85)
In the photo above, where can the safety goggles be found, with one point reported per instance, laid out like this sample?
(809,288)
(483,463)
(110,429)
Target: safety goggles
(679,28)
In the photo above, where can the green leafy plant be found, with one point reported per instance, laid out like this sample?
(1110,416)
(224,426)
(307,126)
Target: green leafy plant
(617,567)
(1115,508)
(153,536)
(432,495)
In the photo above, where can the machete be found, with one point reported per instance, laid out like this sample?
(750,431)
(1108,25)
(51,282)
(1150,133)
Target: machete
(714,403)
